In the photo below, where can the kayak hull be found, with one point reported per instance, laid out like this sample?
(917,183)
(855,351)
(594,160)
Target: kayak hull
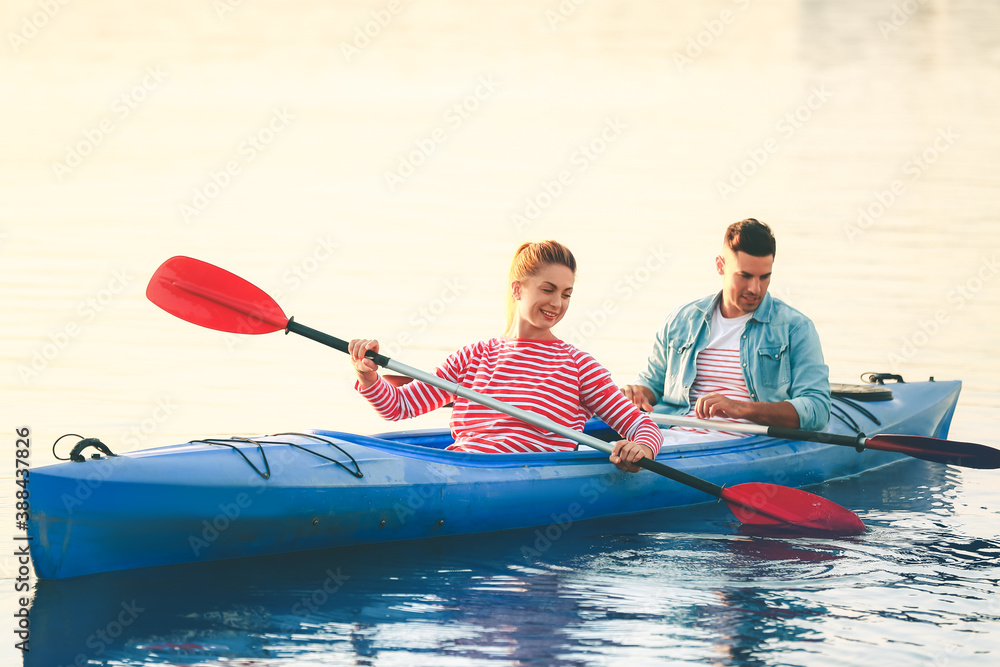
(295,492)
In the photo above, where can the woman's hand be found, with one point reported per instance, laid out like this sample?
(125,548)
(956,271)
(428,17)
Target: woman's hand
(366,369)
(626,453)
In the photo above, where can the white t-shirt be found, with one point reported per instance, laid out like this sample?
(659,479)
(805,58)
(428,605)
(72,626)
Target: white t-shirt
(719,372)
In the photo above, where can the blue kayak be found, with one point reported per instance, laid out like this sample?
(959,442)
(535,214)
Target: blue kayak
(217,499)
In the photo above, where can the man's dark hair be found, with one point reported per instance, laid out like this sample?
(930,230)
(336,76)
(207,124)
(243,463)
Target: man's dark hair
(750,236)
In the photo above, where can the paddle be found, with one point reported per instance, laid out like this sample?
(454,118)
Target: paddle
(215,298)
(968,454)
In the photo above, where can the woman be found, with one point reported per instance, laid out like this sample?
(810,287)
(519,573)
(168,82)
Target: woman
(527,367)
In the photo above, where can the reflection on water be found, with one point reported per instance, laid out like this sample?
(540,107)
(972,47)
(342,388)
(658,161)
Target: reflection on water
(866,133)
(603,590)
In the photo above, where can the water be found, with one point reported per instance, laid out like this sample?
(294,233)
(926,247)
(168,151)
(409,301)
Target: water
(350,186)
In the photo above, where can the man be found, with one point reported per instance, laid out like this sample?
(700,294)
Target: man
(740,354)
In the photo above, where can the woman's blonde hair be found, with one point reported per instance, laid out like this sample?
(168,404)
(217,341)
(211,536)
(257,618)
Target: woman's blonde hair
(529,260)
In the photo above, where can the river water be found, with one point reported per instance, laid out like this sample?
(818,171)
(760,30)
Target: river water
(373,165)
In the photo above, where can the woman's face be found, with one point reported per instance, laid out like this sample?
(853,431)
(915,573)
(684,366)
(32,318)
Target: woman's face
(542,300)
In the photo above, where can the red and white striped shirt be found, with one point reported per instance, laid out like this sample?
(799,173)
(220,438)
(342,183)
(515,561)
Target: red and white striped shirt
(550,378)
(719,372)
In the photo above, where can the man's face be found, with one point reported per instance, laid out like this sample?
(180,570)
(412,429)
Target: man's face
(744,281)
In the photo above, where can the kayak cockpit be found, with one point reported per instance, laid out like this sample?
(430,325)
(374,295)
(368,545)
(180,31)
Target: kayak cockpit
(441,438)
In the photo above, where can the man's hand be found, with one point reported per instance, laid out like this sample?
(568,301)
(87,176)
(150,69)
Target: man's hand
(717,406)
(712,406)
(641,396)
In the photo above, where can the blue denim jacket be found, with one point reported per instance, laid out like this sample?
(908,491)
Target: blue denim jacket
(780,351)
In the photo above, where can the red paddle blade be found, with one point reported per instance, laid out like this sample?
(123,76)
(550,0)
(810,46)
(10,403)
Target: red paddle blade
(774,506)
(966,454)
(206,295)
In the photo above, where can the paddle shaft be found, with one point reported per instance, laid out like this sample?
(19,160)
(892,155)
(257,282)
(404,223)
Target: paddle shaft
(857,442)
(948,452)
(529,417)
